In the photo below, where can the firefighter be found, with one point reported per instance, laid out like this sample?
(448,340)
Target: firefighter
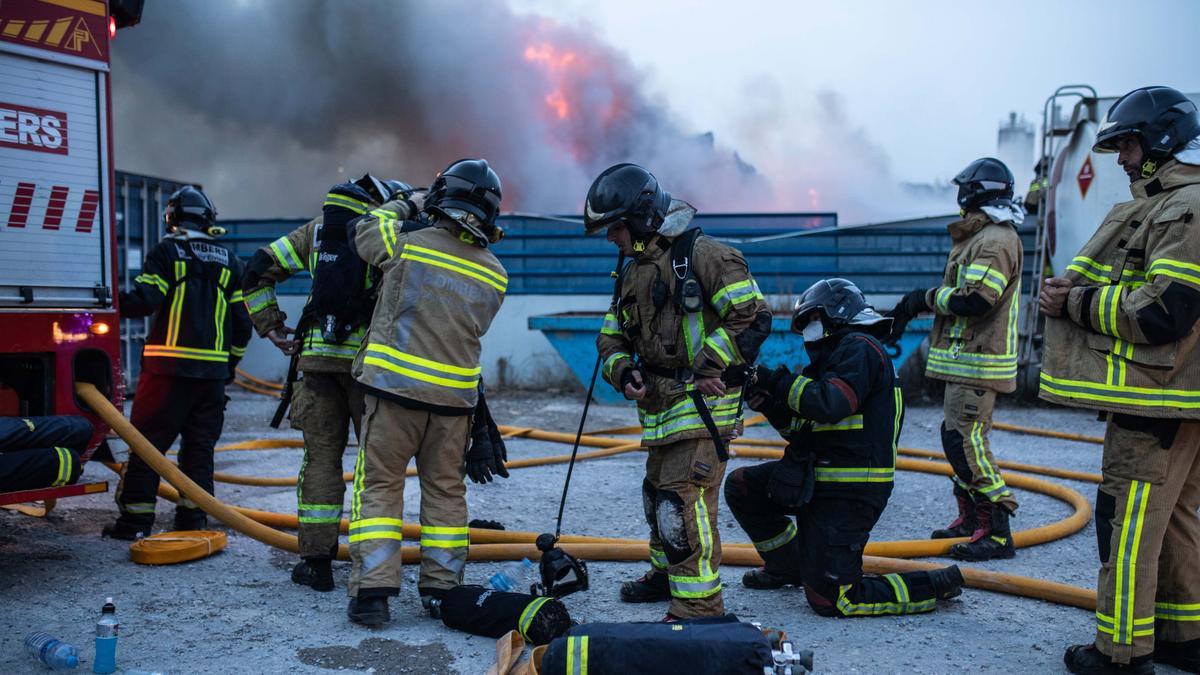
(687,321)
(198,334)
(419,368)
(330,329)
(1121,338)
(842,417)
(973,348)
(38,452)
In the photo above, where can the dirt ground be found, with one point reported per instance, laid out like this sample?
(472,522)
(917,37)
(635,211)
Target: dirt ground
(238,611)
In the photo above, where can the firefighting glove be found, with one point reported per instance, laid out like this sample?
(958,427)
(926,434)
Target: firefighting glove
(911,305)
(486,454)
(792,482)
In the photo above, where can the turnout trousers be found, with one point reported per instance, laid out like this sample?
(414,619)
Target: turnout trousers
(392,435)
(324,407)
(1148,533)
(167,407)
(680,494)
(968,419)
(824,546)
(38,452)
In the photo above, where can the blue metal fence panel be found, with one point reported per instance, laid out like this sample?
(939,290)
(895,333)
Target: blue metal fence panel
(552,257)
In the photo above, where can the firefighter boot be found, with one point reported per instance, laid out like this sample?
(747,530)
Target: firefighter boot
(947,582)
(370,611)
(964,525)
(652,587)
(992,538)
(126,531)
(781,568)
(316,573)
(1183,655)
(1087,660)
(190,519)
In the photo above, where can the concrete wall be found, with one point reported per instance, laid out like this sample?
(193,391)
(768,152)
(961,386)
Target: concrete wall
(513,355)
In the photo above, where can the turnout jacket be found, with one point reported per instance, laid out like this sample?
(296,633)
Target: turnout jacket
(974,336)
(438,295)
(846,408)
(199,327)
(673,345)
(1127,342)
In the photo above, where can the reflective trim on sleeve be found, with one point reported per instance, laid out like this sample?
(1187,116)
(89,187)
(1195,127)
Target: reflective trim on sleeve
(260,299)
(355,205)
(977,272)
(611,361)
(610,326)
(286,255)
(720,343)
(735,294)
(1176,269)
(1101,273)
(796,391)
(940,299)
(237,351)
(153,280)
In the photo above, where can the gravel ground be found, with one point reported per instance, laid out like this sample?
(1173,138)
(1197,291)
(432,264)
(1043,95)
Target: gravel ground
(237,611)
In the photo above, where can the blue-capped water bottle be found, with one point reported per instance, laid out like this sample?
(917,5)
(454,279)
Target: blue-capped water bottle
(106,639)
(55,654)
(513,577)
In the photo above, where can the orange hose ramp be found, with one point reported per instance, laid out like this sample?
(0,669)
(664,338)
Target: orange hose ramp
(247,522)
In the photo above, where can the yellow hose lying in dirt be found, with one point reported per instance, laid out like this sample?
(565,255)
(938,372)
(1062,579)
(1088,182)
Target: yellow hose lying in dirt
(601,548)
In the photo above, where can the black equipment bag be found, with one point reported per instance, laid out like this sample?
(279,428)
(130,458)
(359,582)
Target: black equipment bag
(483,611)
(719,644)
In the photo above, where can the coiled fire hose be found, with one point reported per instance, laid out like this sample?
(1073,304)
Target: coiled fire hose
(500,545)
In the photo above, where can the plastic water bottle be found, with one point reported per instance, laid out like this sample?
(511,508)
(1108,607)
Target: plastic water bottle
(106,639)
(514,575)
(57,655)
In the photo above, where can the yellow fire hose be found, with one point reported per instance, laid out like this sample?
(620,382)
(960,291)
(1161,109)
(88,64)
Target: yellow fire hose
(603,548)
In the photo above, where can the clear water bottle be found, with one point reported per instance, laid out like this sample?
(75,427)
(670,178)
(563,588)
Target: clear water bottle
(513,577)
(55,654)
(106,639)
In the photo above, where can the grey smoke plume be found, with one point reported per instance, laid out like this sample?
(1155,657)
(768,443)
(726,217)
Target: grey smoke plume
(268,103)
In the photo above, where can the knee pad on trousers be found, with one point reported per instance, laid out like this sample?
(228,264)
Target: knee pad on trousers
(672,528)
(952,446)
(1106,509)
(649,499)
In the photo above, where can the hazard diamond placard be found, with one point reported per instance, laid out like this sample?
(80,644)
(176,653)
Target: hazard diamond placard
(1085,176)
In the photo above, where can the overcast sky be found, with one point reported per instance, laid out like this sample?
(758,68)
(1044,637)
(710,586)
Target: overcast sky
(928,81)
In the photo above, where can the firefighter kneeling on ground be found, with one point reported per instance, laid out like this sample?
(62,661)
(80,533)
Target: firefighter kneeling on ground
(329,331)
(1122,328)
(190,284)
(688,317)
(842,418)
(419,368)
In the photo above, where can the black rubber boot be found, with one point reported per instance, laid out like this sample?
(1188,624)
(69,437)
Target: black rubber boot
(652,587)
(947,582)
(1183,655)
(316,573)
(371,611)
(1087,660)
(964,525)
(190,519)
(125,531)
(764,579)
(992,539)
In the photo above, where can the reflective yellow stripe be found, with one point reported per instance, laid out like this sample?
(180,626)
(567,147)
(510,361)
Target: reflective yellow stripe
(260,299)
(735,294)
(356,498)
(387,231)
(444,537)
(1127,550)
(796,391)
(839,474)
(155,281)
(334,199)
(527,615)
(720,343)
(286,254)
(454,263)
(1174,611)
(376,528)
(850,423)
(237,296)
(433,372)
(222,307)
(611,361)
(166,351)
(788,534)
(1146,397)
(1176,269)
(64,467)
(174,318)
(610,326)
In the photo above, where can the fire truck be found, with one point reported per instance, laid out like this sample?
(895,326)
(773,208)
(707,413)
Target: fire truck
(58,257)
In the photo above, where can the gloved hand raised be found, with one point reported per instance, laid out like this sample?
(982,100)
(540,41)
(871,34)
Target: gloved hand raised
(793,480)
(763,387)
(486,454)
(912,304)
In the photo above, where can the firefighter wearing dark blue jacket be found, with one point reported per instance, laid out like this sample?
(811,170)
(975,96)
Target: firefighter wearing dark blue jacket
(842,417)
(199,328)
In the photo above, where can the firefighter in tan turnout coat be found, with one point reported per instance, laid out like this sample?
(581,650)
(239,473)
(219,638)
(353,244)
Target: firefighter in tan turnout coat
(688,320)
(419,367)
(973,348)
(1121,338)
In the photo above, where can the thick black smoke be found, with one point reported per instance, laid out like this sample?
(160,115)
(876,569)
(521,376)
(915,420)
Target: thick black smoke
(269,102)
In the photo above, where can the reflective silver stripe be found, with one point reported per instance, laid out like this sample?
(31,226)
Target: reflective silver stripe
(854,474)
(611,361)
(719,342)
(386,549)
(796,391)
(1126,581)
(788,534)
(138,507)
(610,326)
(260,299)
(693,334)
(658,558)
